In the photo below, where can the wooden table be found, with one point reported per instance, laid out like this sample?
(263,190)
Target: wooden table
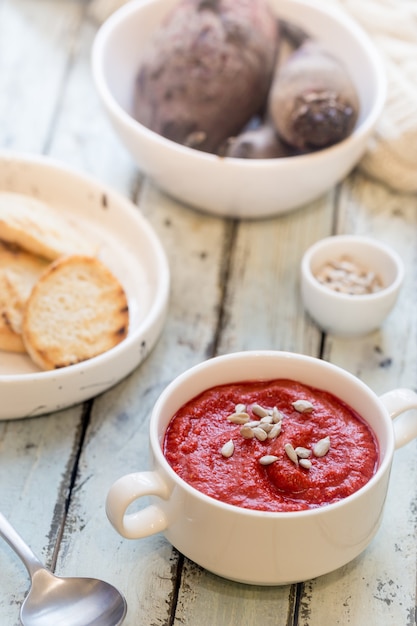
(235,286)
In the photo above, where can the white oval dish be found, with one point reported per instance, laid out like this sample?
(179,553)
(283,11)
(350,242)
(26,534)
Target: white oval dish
(128,246)
(246,188)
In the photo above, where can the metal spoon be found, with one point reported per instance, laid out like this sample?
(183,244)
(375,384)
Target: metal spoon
(65,601)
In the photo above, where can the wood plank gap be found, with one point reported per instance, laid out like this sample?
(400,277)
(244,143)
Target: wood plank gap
(138,188)
(84,424)
(64,81)
(227,254)
(336,210)
(294,602)
(337,205)
(334,231)
(177,577)
(322,345)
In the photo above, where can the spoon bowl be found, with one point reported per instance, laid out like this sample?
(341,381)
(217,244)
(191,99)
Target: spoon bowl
(65,601)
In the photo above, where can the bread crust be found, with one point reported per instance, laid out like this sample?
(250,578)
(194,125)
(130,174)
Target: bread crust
(38,228)
(77,310)
(19,271)
(9,340)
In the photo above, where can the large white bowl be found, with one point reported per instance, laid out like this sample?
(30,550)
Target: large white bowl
(227,186)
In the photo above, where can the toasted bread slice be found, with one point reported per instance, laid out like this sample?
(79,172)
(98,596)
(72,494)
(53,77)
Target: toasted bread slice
(9,340)
(76,310)
(38,228)
(18,273)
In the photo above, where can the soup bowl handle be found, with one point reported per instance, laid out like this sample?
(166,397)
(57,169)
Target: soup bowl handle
(400,404)
(145,522)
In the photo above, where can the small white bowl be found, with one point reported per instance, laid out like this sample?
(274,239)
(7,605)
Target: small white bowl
(343,313)
(247,188)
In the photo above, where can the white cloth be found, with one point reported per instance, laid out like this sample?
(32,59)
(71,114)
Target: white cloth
(392,24)
(100,10)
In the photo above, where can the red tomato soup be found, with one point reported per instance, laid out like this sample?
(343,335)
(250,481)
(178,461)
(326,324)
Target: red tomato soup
(274,445)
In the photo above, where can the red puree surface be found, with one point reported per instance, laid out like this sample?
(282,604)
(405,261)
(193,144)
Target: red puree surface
(197,432)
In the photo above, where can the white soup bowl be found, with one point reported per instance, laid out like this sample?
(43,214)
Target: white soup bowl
(287,547)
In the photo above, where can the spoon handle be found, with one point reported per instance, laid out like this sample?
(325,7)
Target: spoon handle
(22,550)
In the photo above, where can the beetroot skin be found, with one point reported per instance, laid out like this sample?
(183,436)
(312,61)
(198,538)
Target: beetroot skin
(207,71)
(313,103)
